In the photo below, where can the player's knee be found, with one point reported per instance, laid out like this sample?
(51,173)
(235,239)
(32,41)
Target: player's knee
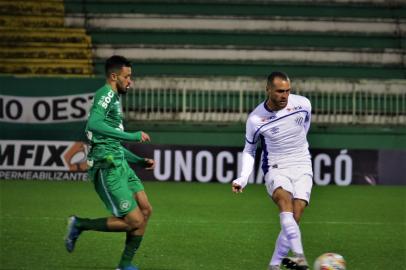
(136,223)
(147,212)
(285,204)
(297,217)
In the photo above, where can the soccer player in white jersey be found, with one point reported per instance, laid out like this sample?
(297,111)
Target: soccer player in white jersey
(280,124)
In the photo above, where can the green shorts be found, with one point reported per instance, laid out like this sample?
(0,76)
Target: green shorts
(116,186)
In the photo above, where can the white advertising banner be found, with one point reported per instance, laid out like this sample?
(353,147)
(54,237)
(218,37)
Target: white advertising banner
(45,160)
(51,109)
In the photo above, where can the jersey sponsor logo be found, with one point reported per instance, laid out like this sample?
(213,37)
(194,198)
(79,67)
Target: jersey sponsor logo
(295,108)
(105,100)
(272,117)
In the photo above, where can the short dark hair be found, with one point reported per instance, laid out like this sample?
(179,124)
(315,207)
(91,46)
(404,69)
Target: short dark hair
(115,63)
(277,74)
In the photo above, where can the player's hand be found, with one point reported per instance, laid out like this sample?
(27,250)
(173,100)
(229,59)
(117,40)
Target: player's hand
(145,137)
(150,164)
(236,188)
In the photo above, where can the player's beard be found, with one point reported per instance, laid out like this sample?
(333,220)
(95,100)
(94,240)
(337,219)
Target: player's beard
(277,105)
(121,89)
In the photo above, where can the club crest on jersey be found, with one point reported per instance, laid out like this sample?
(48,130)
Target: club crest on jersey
(274,130)
(124,205)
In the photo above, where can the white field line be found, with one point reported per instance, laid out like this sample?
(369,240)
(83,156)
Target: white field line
(200,222)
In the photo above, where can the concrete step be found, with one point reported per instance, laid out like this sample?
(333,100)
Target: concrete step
(280,55)
(31,21)
(45,30)
(41,44)
(45,67)
(44,35)
(44,53)
(259,68)
(326,9)
(43,8)
(47,61)
(362,26)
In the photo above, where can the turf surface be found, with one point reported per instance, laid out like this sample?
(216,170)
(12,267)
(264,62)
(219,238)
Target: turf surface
(201,226)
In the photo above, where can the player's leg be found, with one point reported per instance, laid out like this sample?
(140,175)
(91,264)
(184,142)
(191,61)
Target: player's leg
(302,190)
(133,241)
(299,206)
(275,181)
(144,204)
(111,186)
(281,250)
(290,228)
(134,238)
(282,246)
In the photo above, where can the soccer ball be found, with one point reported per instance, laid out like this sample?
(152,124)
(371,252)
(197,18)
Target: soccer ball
(329,261)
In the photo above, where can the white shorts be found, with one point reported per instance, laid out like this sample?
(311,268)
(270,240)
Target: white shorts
(298,181)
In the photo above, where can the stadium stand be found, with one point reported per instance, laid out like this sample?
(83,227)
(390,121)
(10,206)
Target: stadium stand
(201,60)
(35,41)
(341,39)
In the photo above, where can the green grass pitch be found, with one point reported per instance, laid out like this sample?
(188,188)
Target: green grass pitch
(201,226)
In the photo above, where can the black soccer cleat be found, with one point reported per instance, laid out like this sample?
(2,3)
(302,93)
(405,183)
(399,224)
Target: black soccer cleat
(295,263)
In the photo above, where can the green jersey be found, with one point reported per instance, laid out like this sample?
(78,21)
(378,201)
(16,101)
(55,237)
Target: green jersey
(105,130)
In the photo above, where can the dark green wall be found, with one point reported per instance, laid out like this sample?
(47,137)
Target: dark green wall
(352,137)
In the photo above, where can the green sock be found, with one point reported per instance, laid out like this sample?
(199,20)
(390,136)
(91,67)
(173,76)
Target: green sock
(98,224)
(132,243)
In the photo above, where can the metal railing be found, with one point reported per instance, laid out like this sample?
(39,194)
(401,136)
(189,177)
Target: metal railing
(232,101)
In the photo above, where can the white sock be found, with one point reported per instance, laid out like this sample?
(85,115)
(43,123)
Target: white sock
(281,249)
(291,231)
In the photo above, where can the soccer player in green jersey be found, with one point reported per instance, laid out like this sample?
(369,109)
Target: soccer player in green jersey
(114,181)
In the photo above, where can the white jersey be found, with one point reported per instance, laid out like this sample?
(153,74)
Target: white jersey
(282,135)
